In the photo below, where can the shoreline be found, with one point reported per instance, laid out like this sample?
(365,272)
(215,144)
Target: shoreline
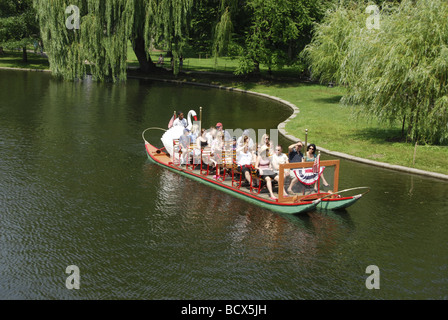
(281,126)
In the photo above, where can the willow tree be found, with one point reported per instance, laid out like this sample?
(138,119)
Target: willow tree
(331,38)
(100,41)
(399,72)
(394,73)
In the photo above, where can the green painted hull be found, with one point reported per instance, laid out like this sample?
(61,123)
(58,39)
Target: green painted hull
(280,208)
(337,204)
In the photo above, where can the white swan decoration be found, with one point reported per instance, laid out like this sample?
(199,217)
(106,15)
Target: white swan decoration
(176,131)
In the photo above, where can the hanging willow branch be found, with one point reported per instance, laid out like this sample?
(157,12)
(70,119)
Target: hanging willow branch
(394,74)
(100,45)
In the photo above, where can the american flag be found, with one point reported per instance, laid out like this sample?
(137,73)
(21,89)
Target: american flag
(170,124)
(316,165)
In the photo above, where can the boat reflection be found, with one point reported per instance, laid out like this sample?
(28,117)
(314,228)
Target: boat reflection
(244,227)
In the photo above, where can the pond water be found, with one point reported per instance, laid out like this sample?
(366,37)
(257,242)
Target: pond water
(76,188)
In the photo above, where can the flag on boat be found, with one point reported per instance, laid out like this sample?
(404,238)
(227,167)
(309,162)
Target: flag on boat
(309,176)
(170,124)
(316,164)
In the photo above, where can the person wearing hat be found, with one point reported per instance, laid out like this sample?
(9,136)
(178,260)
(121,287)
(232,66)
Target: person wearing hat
(264,166)
(227,137)
(180,120)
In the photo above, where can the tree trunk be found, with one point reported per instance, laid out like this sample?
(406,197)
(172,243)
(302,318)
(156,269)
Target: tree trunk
(25,55)
(146,64)
(1,50)
(402,127)
(256,67)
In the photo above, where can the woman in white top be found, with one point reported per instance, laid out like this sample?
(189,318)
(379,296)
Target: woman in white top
(264,165)
(266,141)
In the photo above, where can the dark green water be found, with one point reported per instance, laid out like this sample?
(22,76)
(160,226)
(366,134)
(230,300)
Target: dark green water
(76,189)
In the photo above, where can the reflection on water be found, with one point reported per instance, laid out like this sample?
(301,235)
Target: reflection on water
(76,188)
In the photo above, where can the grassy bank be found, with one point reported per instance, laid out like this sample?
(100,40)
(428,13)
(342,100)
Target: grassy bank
(13,59)
(331,125)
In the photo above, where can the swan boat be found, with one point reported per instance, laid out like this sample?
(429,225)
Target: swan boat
(231,182)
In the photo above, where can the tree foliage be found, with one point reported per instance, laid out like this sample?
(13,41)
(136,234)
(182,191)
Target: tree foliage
(277,32)
(105,29)
(397,73)
(18,25)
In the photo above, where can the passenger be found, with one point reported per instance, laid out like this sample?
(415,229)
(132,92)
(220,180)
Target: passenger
(310,157)
(180,120)
(211,135)
(194,138)
(244,160)
(184,143)
(295,155)
(264,166)
(216,152)
(266,141)
(279,158)
(245,137)
(234,143)
(203,144)
(194,133)
(227,137)
(201,141)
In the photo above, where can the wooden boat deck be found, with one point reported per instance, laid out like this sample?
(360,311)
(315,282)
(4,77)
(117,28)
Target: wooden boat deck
(307,200)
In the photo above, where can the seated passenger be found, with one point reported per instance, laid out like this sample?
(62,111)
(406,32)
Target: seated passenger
(210,135)
(184,144)
(295,155)
(264,166)
(201,141)
(244,160)
(310,157)
(246,138)
(226,134)
(279,158)
(265,141)
(194,133)
(216,152)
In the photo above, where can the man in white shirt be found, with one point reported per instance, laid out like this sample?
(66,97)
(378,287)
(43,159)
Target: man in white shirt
(244,159)
(279,158)
(180,121)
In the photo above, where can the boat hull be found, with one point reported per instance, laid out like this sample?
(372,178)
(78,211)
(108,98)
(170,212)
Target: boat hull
(338,204)
(285,208)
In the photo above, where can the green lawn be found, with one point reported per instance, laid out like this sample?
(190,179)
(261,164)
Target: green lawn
(334,127)
(13,59)
(195,63)
(330,125)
